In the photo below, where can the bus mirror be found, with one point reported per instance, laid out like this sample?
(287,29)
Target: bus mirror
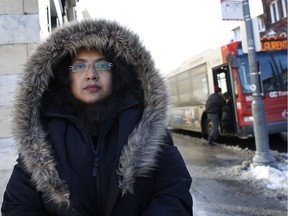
(233,61)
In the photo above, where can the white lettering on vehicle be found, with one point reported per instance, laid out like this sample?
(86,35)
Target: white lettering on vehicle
(274,94)
(282,93)
(249,98)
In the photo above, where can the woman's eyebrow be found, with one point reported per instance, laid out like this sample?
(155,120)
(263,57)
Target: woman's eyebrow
(85,60)
(102,58)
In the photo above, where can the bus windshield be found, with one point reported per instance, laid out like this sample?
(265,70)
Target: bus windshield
(273,66)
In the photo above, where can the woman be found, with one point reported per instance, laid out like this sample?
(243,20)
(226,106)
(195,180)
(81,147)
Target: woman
(90,123)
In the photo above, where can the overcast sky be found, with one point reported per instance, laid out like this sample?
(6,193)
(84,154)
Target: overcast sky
(173,31)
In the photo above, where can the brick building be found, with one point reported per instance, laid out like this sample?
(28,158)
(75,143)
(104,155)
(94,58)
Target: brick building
(273,22)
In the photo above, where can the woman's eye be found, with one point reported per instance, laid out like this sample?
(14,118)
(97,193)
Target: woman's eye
(80,66)
(103,66)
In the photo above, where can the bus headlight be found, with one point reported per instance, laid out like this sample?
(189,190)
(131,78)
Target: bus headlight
(248,119)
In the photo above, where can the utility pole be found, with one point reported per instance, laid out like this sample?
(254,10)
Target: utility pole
(263,155)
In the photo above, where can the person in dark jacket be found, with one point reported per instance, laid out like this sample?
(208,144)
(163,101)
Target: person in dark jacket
(214,105)
(90,124)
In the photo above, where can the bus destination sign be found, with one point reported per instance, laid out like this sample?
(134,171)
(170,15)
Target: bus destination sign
(273,45)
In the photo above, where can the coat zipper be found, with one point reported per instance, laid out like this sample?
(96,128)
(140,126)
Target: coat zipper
(96,163)
(95,169)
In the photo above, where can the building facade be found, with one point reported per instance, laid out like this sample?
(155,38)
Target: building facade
(273,22)
(24,23)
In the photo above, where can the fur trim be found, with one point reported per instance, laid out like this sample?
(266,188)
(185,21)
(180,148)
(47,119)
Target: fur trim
(139,155)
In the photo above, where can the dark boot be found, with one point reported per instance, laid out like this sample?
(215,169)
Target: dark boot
(211,140)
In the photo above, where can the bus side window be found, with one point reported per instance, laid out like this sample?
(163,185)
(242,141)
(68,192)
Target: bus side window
(245,79)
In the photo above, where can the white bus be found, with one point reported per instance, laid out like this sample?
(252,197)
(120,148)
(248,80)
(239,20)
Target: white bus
(227,67)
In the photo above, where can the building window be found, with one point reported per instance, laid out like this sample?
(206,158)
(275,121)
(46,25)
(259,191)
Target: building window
(284,8)
(261,25)
(274,11)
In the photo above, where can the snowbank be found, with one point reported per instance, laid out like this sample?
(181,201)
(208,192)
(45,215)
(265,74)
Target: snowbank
(272,179)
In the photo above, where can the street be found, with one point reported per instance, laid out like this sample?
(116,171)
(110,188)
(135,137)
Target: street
(217,189)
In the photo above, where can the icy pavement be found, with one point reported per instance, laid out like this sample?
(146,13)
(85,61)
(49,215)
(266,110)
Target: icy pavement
(226,183)
(273,179)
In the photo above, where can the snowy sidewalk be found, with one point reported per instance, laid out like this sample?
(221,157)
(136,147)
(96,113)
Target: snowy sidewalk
(226,183)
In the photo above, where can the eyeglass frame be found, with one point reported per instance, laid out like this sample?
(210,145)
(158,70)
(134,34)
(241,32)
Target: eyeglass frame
(87,66)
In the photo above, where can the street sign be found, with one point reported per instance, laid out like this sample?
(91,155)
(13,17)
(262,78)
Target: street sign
(232,10)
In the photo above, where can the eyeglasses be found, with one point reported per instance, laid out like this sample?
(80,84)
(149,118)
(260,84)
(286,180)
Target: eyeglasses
(98,66)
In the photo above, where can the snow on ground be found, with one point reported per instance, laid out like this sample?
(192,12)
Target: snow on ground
(273,179)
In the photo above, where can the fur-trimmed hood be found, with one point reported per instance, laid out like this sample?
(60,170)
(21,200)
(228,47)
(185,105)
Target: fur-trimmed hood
(31,137)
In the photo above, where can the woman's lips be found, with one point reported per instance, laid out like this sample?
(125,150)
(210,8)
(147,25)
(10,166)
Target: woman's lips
(92,88)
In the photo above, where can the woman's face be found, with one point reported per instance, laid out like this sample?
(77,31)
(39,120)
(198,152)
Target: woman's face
(91,77)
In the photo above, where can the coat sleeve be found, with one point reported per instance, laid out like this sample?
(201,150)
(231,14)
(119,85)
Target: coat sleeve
(20,197)
(171,194)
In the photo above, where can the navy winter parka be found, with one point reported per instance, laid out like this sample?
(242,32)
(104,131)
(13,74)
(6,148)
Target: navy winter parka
(133,170)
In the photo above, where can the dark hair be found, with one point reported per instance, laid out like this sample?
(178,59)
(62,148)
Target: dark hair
(125,79)
(58,92)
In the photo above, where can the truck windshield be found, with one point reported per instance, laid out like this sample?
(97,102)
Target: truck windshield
(273,67)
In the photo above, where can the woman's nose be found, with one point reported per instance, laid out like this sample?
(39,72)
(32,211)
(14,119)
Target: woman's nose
(91,74)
